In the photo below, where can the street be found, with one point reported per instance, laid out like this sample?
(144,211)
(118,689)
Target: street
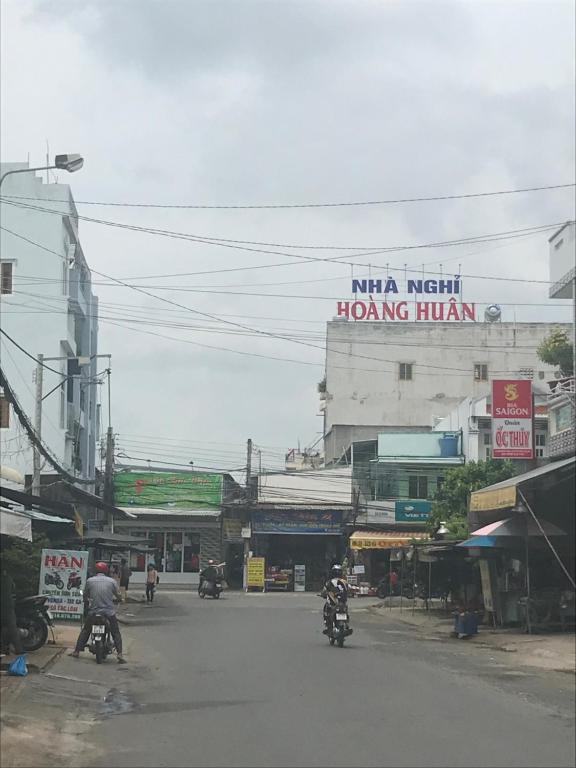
(251,681)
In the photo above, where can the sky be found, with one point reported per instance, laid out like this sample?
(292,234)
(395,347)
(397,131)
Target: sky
(245,103)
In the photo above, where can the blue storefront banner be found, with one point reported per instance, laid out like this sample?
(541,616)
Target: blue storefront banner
(288,521)
(412,511)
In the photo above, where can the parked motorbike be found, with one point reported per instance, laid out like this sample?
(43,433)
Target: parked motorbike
(210,589)
(53,579)
(100,642)
(74,581)
(386,590)
(33,620)
(338,622)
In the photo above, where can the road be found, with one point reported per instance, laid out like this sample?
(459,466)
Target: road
(251,681)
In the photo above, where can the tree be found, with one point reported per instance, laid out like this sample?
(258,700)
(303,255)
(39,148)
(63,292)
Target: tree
(22,560)
(450,504)
(556,349)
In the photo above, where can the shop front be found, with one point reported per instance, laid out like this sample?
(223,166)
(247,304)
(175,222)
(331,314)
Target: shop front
(179,545)
(298,545)
(376,553)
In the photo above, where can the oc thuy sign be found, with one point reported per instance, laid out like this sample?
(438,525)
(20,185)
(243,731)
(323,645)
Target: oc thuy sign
(512,419)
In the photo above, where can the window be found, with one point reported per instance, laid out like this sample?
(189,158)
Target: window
(418,487)
(526,373)
(540,444)
(488,453)
(4,413)
(480,372)
(191,552)
(487,438)
(6,277)
(174,551)
(405,371)
(439,482)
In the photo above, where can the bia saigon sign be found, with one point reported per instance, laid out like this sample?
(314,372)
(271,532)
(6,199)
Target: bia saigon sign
(512,419)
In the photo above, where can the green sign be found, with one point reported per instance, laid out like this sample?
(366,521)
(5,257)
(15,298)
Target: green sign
(412,511)
(182,490)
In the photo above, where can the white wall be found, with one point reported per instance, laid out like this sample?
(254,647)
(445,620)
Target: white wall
(562,262)
(40,316)
(362,368)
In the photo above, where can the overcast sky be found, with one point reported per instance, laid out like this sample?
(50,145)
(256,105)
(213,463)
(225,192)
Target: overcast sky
(245,103)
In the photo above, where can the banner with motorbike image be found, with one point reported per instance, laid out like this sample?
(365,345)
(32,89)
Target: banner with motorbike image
(62,577)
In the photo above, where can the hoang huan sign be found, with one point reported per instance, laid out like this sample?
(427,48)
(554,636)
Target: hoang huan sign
(512,419)
(418,306)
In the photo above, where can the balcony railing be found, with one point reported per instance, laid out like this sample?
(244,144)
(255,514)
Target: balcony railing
(561,390)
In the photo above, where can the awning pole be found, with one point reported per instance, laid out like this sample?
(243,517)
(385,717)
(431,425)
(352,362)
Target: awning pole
(428,598)
(528,624)
(401,580)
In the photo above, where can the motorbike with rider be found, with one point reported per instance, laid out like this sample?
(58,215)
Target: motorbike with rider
(210,581)
(335,612)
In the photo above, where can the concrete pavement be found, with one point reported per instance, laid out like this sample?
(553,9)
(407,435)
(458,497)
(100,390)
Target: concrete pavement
(251,681)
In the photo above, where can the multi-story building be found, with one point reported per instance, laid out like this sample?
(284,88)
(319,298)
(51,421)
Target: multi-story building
(47,308)
(473,418)
(392,376)
(563,392)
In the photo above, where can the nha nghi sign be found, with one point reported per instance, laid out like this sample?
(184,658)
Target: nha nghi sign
(418,309)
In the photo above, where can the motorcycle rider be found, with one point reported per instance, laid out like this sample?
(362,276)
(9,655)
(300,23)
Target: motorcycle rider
(99,595)
(334,589)
(210,573)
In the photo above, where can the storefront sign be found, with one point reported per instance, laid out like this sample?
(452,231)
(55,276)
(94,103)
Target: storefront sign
(299,578)
(486,579)
(411,308)
(232,530)
(181,490)
(412,511)
(255,572)
(288,521)
(512,419)
(62,576)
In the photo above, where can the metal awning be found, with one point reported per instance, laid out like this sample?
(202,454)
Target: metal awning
(384,539)
(15,524)
(504,495)
(195,514)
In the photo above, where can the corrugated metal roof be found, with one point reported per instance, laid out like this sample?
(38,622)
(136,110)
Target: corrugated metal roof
(171,512)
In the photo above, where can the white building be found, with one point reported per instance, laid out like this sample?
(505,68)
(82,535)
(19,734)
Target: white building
(382,376)
(473,417)
(48,308)
(563,392)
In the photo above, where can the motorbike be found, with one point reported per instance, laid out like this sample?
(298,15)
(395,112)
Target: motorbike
(210,589)
(53,579)
(74,581)
(385,589)
(34,621)
(100,642)
(338,622)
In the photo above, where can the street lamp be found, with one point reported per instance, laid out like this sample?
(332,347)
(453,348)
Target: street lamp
(70,163)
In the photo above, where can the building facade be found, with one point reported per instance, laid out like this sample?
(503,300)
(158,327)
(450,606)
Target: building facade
(48,308)
(562,399)
(473,418)
(386,376)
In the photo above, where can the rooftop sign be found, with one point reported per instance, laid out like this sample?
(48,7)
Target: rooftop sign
(416,307)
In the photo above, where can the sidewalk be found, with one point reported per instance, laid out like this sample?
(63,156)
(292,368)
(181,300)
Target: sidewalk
(552,652)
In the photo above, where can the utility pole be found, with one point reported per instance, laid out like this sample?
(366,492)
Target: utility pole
(37,426)
(248,467)
(108,494)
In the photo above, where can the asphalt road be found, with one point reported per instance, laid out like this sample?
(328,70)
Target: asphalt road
(251,681)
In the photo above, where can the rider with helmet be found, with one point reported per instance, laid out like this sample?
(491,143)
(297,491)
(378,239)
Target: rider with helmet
(334,589)
(210,573)
(100,594)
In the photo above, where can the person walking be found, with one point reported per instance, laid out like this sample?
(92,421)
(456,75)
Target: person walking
(151,581)
(125,574)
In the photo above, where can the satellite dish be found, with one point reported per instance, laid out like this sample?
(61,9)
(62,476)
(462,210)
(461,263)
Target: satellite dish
(493,313)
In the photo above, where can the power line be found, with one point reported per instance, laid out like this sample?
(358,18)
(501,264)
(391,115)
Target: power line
(33,437)
(282,206)
(3,332)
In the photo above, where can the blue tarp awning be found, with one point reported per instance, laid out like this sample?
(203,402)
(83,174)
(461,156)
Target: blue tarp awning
(481,542)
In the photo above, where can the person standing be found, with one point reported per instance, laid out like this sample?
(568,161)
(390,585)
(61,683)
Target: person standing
(125,574)
(151,581)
